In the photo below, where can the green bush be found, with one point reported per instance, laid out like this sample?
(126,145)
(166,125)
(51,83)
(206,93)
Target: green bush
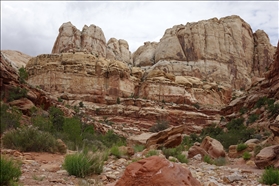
(138,148)
(116,151)
(246,155)
(159,126)
(82,164)
(182,158)
(57,118)
(17,93)
(273,109)
(23,75)
(42,123)
(81,104)
(261,101)
(72,130)
(10,171)
(252,118)
(240,147)
(270,176)
(9,117)
(220,161)
(30,139)
(170,152)
(207,159)
(118,100)
(152,153)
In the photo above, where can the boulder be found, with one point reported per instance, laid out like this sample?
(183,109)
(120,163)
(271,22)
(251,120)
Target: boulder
(213,147)
(195,150)
(156,170)
(268,156)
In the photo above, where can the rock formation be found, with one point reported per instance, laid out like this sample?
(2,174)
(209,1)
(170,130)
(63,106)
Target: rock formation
(156,171)
(90,40)
(119,50)
(268,156)
(223,50)
(16,58)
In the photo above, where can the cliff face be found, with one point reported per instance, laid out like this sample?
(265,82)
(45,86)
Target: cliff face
(225,50)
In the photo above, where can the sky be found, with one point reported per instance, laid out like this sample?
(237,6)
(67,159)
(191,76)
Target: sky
(31,27)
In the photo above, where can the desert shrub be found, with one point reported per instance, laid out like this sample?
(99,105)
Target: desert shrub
(152,153)
(110,139)
(42,123)
(241,147)
(28,139)
(57,118)
(170,152)
(23,75)
(252,118)
(243,110)
(118,100)
(207,159)
(270,176)
(116,151)
(138,148)
(59,100)
(196,105)
(72,130)
(9,117)
(82,164)
(81,104)
(219,161)
(273,109)
(182,158)
(246,155)
(261,101)
(211,131)
(10,171)
(159,126)
(236,124)
(17,93)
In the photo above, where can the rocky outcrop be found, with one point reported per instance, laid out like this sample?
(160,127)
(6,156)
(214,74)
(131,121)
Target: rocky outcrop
(119,50)
(156,171)
(209,146)
(222,49)
(145,55)
(10,85)
(170,137)
(90,40)
(268,156)
(16,58)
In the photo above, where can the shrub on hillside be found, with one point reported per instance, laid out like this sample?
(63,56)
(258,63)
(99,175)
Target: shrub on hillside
(17,93)
(82,164)
(72,130)
(246,155)
(270,176)
(10,171)
(23,75)
(9,117)
(159,126)
(30,139)
(241,147)
(57,118)
(138,148)
(152,153)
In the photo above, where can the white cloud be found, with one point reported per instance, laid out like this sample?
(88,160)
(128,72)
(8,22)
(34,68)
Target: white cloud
(32,27)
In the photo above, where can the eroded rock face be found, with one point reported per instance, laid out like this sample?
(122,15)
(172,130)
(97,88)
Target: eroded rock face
(16,58)
(268,156)
(119,50)
(145,55)
(90,40)
(220,49)
(156,170)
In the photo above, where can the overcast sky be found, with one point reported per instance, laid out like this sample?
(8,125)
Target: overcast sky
(32,27)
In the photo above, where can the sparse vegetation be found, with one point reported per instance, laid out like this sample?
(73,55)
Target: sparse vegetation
(240,147)
(159,126)
(218,161)
(59,100)
(246,155)
(196,105)
(138,148)
(207,159)
(152,153)
(116,151)
(57,118)
(17,93)
(10,117)
(270,176)
(118,100)
(30,139)
(10,171)
(23,75)
(252,118)
(81,104)
(83,163)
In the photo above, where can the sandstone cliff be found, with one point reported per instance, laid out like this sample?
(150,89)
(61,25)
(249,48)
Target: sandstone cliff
(16,58)
(225,50)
